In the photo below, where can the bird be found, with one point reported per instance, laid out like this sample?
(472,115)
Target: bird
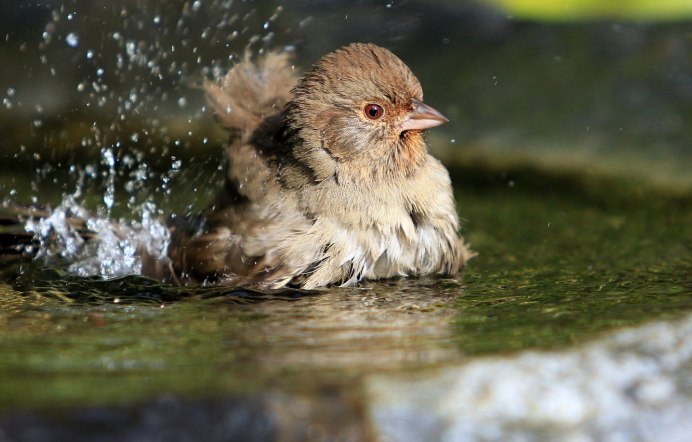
(329,180)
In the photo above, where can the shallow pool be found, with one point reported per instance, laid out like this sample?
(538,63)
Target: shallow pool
(561,259)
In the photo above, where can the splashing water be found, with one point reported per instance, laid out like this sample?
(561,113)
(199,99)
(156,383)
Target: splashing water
(138,95)
(57,235)
(112,250)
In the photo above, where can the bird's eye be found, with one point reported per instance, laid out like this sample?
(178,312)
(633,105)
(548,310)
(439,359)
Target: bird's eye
(373,111)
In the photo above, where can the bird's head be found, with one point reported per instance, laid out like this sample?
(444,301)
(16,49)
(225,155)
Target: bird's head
(363,107)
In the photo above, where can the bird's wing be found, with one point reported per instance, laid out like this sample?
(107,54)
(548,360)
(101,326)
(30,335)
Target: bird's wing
(235,239)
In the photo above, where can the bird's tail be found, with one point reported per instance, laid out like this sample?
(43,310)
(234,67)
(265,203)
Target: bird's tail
(251,91)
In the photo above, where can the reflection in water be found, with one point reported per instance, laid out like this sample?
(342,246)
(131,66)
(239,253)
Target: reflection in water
(212,339)
(384,327)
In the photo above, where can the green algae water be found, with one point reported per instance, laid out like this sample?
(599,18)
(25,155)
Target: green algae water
(561,259)
(558,264)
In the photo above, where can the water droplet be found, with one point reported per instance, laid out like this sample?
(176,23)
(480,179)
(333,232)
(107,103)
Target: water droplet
(108,200)
(72,39)
(90,54)
(108,158)
(10,92)
(182,102)
(130,48)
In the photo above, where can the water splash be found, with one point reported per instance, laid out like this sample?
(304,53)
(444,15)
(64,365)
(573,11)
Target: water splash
(98,246)
(136,100)
(58,235)
(137,86)
(72,40)
(108,160)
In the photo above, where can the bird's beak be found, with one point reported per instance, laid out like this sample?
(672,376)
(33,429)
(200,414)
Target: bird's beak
(422,117)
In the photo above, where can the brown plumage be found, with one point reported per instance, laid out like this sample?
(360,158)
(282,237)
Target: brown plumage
(329,179)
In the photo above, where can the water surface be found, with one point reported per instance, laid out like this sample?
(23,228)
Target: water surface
(559,262)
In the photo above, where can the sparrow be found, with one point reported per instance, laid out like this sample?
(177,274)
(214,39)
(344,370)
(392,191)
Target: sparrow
(328,179)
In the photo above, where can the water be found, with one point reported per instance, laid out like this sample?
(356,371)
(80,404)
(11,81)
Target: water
(580,215)
(558,270)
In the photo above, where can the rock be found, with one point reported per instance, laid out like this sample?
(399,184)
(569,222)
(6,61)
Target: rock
(631,385)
